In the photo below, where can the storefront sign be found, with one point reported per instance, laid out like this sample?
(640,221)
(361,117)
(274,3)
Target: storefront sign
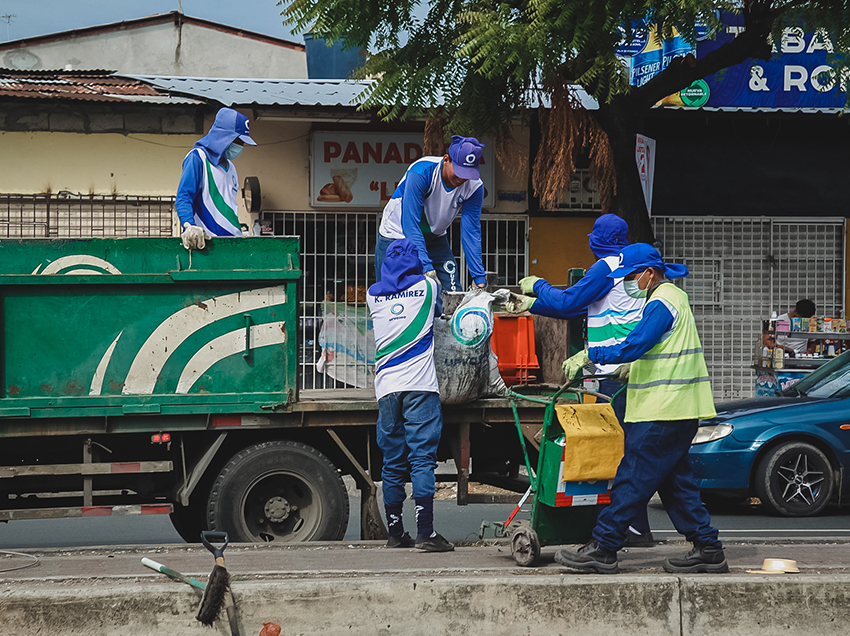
(362,169)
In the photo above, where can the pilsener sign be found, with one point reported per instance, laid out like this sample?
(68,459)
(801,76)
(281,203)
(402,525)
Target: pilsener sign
(362,169)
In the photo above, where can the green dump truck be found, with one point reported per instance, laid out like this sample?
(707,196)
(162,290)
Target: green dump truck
(139,378)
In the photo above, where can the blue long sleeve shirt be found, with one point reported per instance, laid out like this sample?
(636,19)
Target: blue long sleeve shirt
(656,322)
(191,184)
(573,301)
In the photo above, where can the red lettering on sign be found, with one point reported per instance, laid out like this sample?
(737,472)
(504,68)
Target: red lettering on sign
(332,150)
(393,154)
(386,193)
(373,152)
(412,152)
(351,153)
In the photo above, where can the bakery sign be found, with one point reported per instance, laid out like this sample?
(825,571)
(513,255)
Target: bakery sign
(362,169)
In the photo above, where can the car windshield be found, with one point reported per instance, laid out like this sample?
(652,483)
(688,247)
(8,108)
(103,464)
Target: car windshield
(831,380)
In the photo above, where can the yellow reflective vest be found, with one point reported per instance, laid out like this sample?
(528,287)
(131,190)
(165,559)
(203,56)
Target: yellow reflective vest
(670,381)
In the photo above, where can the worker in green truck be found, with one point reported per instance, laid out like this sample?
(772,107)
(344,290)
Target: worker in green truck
(669,391)
(611,315)
(206,201)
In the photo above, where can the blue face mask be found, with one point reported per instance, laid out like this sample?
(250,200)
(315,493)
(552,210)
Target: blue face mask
(233,151)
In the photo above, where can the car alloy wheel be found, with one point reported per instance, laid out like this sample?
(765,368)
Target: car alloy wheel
(795,479)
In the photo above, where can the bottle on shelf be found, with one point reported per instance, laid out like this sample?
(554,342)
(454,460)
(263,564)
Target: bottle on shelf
(778,358)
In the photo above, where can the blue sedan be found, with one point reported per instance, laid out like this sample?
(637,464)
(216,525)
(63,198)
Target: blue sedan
(790,451)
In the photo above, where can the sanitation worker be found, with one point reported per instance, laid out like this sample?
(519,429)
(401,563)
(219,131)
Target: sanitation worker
(410,419)
(668,393)
(433,191)
(206,197)
(611,316)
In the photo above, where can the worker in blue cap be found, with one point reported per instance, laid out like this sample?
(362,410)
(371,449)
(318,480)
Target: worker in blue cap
(668,393)
(206,200)
(410,418)
(611,316)
(433,191)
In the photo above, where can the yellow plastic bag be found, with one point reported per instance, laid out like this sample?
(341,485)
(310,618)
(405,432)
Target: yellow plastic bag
(593,441)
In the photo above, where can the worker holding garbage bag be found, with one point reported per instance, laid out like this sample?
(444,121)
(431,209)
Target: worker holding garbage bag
(410,418)
(611,316)
(668,393)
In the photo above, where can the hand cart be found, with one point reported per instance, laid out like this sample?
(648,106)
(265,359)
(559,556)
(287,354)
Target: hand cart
(550,524)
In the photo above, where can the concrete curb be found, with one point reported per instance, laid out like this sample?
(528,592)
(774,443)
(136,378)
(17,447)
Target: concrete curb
(628,605)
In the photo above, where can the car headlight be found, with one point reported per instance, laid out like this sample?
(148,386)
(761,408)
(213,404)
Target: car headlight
(711,433)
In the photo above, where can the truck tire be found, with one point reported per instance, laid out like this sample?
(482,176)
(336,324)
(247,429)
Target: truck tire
(279,491)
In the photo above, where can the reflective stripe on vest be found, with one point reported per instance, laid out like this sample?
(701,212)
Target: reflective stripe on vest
(612,318)
(670,381)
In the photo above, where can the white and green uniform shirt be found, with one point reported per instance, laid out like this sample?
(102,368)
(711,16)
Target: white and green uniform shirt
(404,339)
(218,211)
(612,318)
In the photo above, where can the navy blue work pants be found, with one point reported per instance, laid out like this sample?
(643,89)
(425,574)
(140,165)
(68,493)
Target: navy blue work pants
(409,427)
(609,387)
(656,459)
(440,253)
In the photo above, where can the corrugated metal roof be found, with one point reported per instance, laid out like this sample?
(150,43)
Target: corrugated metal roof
(281,92)
(100,86)
(262,92)
(759,109)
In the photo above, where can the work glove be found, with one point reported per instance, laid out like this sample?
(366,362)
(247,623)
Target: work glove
(517,303)
(621,373)
(433,274)
(193,237)
(526,285)
(573,365)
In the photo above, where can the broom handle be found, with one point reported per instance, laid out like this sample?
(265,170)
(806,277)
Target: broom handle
(173,574)
(230,608)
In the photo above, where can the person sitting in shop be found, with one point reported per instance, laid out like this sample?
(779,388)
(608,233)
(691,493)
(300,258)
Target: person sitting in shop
(797,345)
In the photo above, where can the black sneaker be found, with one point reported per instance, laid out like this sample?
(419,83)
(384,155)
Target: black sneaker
(634,540)
(589,558)
(404,541)
(707,559)
(433,544)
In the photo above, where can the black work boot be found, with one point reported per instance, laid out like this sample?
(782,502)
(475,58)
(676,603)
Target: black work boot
(635,540)
(434,543)
(404,541)
(589,558)
(707,559)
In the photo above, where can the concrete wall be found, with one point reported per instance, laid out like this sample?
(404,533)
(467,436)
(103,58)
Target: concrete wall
(203,52)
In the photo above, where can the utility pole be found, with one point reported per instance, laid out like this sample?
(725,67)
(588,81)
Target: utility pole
(8,18)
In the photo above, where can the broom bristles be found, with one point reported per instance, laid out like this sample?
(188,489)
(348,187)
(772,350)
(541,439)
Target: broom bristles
(214,595)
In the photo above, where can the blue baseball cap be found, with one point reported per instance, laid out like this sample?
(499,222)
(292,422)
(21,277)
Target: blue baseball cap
(233,121)
(640,256)
(465,153)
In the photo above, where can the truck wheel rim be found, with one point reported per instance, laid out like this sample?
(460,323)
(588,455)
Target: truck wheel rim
(269,494)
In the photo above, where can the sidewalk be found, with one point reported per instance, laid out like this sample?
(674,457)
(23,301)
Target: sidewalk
(363,588)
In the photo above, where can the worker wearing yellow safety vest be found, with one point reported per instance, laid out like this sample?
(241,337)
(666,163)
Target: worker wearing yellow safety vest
(668,393)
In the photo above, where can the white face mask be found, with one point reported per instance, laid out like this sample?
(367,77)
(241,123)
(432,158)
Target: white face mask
(233,151)
(632,287)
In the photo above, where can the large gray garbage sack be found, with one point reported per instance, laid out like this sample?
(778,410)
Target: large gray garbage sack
(467,368)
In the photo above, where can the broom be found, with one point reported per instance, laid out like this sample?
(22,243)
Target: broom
(218,591)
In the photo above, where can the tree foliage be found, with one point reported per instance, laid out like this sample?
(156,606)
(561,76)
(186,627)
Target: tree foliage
(488,61)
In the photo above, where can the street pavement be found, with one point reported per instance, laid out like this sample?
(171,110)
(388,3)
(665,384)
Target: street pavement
(456,523)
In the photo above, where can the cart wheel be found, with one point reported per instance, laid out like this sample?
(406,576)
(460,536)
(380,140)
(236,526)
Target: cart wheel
(525,547)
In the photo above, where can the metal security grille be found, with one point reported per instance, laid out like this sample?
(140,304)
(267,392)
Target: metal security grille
(74,216)
(336,348)
(744,268)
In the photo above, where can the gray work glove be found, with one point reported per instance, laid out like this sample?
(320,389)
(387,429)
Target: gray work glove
(193,237)
(621,373)
(517,303)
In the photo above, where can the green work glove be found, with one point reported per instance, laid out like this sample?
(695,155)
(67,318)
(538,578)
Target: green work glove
(573,365)
(526,285)
(518,303)
(621,373)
